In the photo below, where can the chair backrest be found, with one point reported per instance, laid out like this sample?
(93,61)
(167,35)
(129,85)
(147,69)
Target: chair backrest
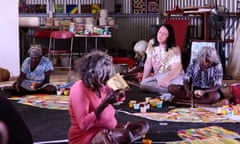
(58,40)
(59,44)
(61,35)
(180,27)
(42,33)
(42,37)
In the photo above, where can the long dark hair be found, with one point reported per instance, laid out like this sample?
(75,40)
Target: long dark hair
(171,41)
(94,69)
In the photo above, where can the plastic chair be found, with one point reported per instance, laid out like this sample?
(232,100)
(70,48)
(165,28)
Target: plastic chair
(123,60)
(42,37)
(59,46)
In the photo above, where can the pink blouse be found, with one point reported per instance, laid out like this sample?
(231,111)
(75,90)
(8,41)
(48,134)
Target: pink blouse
(82,104)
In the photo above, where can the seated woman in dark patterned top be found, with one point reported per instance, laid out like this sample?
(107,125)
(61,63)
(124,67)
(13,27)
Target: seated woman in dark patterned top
(202,80)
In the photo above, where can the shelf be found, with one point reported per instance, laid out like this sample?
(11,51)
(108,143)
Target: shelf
(86,15)
(108,26)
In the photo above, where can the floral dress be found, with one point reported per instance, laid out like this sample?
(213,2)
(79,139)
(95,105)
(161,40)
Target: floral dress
(162,61)
(38,74)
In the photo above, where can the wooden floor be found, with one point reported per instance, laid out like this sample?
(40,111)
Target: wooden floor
(59,76)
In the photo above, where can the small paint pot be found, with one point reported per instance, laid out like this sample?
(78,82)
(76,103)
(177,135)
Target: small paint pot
(136,106)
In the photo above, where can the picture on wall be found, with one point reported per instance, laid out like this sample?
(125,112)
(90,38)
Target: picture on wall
(85,8)
(32,8)
(152,6)
(138,6)
(72,9)
(59,8)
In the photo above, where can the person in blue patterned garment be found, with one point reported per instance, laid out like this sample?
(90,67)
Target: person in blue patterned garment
(34,75)
(202,80)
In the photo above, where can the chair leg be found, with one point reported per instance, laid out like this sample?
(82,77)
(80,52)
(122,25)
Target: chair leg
(70,61)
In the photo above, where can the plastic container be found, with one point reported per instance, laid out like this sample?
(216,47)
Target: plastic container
(235,91)
(65,60)
(72,27)
(147,141)
(121,68)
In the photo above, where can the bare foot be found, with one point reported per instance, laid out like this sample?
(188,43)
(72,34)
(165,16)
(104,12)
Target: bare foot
(221,103)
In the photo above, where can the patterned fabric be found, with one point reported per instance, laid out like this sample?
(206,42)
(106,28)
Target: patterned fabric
(102,137)
(38,75)
(44,101)
(152,83)
(208,141)
(209,132)
(162,62)
(204,79)
(162,59)
(193,115)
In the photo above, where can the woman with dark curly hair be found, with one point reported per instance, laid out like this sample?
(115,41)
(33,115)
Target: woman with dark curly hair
(164,58)
(91,112)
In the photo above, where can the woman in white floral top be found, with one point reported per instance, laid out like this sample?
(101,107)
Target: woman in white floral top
(164,58)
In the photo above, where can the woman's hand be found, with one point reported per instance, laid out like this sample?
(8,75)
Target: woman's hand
(38,85)
(114,96)
(16,85)
(199,93)
(163,83)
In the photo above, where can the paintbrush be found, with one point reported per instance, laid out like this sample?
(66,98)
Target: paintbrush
(191,89)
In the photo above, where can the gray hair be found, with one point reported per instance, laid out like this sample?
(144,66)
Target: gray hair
(95,69)
(209,53)
(35,50)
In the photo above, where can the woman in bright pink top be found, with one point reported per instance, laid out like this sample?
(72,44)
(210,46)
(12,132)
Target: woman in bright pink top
(90,106)
(84,124)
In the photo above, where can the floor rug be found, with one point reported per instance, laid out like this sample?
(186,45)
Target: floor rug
(208,141)
(210,132)
(207,135)
(44,101)
(186,115)
(51,124)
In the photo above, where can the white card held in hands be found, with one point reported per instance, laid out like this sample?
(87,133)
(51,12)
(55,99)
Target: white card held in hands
(117,82)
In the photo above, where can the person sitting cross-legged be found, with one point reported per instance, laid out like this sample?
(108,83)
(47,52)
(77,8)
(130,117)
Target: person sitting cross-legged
(34,75)
(91,111)
(202,80)
(164,60)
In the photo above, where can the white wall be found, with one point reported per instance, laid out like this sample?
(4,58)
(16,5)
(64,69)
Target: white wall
(9,37)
